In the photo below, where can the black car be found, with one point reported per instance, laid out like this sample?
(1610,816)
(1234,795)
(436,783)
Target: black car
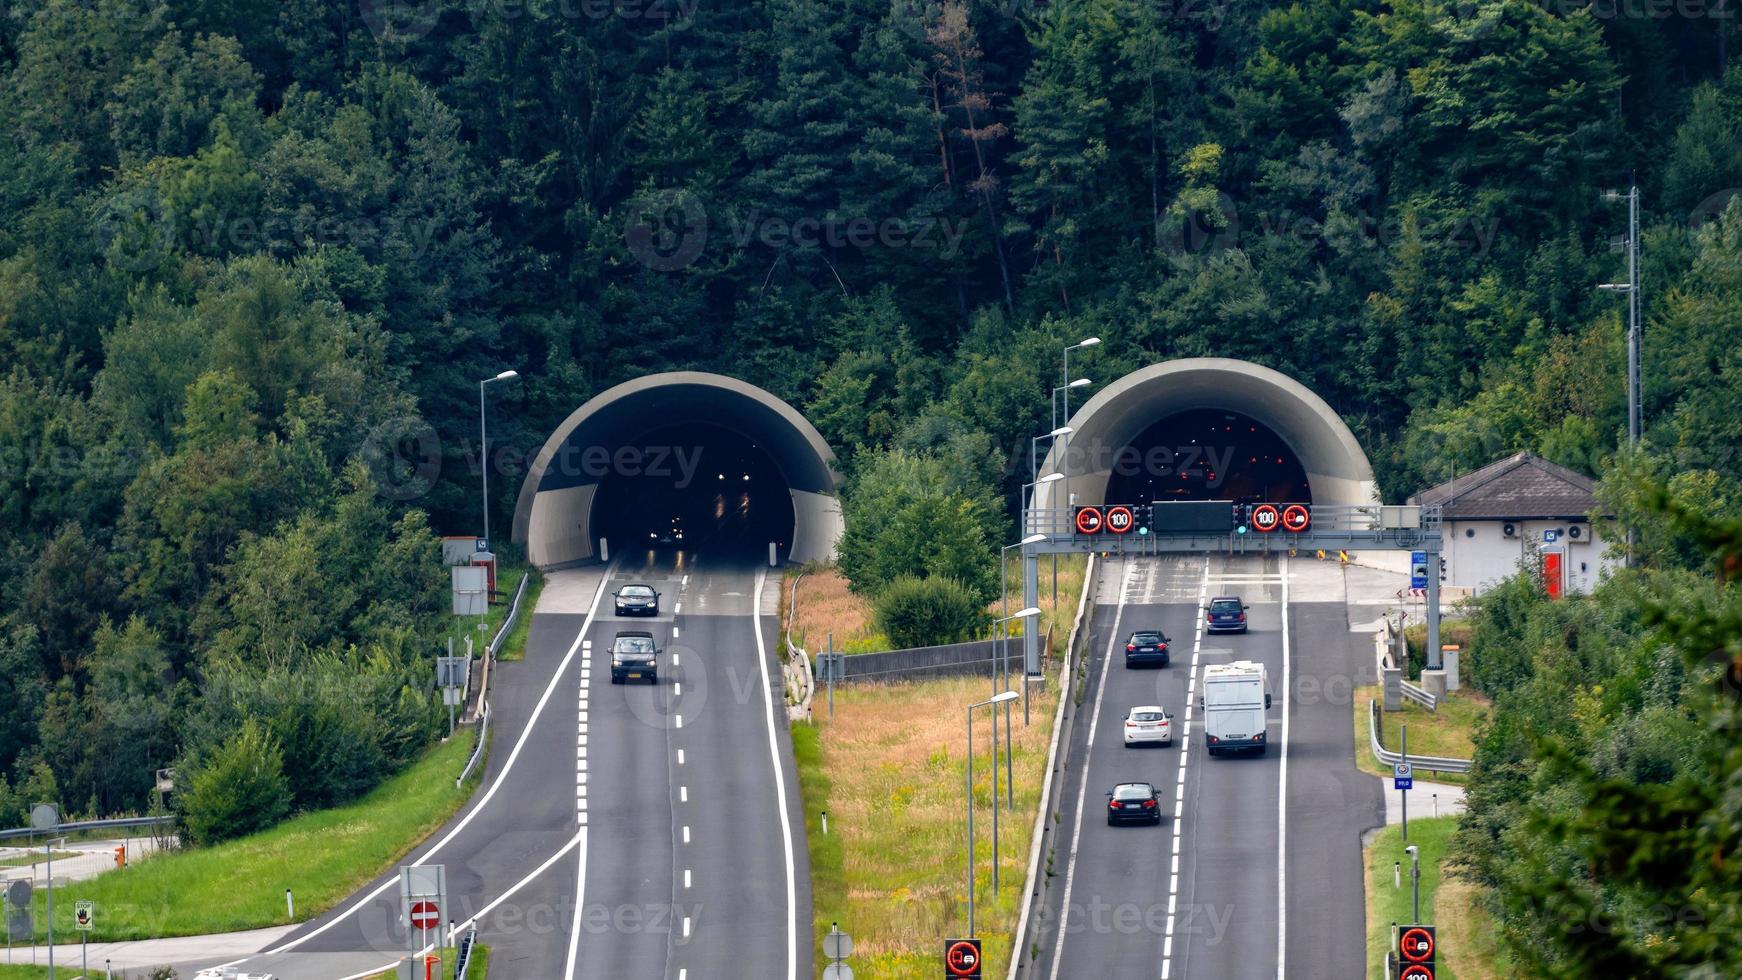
(1147,647)
(1133,803)
(634,657)
(670,536)
(1227,614)
(637,600)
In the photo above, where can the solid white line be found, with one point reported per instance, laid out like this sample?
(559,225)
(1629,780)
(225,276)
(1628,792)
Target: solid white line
(780,795)
(1282,797)
(520,743)
(1058,951)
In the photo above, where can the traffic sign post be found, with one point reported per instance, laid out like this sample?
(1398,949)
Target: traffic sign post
(1417,570)
(1417,947)
(1088,520)
(1402,776)
(84,913)
(423,894)
(1265,518)
(837,946)
(1119,519)
(1296,518)
(962,959)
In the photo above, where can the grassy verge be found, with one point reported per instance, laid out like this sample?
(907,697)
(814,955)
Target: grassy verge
(514,645)
(321,857)
(889,769)
(1465,934)
(475,970)
(482,628)
(1449,732)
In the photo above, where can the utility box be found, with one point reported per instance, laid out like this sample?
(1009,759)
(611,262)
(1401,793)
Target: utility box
(486,561)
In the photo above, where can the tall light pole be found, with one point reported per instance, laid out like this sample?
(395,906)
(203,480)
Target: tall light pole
(996,699)
(1631,288)
(1079,383)
(1004,659)
(1004,610)
(484,437)
(1064,458)
(1027,501)
(1034,447)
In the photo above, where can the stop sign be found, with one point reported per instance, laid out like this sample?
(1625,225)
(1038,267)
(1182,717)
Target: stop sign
(424,915)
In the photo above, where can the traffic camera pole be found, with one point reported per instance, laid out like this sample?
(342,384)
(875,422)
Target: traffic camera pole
(48,851)
(1403,756)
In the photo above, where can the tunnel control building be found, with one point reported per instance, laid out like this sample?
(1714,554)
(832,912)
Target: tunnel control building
(645,426)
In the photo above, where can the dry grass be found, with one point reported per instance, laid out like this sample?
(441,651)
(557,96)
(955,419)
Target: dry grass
(1056,614)
(1467,932)
(890,770)
(827,605)
(1448,733)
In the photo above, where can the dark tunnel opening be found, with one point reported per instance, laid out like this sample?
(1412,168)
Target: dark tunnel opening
(693,489)
(1208,454)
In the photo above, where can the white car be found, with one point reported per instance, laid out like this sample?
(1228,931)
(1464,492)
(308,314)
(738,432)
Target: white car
(1148,723)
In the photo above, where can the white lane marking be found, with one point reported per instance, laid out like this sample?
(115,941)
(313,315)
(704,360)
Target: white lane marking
(686,877)
(683,794)
(677,689)
(780,794)
(1185,758)
(520,743)
(677,609)
(680,757)
(685,580)
(686,927)
(1058,951)
(686,834)
(1282,797)
(679,719)
(674,634)
(674,660)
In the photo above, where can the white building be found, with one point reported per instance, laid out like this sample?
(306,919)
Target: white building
(1521,510)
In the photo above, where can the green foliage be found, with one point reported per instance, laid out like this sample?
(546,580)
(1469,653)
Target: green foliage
(916,612)
(902,508)
(237,790)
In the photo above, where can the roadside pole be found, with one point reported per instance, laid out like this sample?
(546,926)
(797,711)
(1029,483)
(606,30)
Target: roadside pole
(831,673)
(1403,756)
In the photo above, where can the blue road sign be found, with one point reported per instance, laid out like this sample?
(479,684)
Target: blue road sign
(1418,569)
(1406,782)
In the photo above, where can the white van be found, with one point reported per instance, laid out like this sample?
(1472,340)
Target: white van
(1235,699)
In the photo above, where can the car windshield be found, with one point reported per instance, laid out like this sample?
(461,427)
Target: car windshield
(1147,716)
(634,644)
(1133,791)
(1225,606)
(637,592)
(1146,638)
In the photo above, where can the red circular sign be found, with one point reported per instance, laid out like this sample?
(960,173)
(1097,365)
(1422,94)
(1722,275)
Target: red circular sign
(1089,520)
(1296,518)
(424,915)
(1415,971)
(962,959)
(1119,519)
(1265,517)
(1416,945)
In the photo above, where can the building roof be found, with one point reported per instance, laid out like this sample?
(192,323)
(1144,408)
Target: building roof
(1520,487)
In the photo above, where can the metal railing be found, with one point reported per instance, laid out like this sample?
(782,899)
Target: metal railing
(1432,763)
(1053,784)
(1420,696)
(463,954)
(119,823)
(797,659)
(477,749)
(513,614)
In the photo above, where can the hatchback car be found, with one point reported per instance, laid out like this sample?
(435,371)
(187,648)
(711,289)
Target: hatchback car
(637,600)
(1148,723)
(1133,803)
(1227,614)
(634,657)
(1146,647)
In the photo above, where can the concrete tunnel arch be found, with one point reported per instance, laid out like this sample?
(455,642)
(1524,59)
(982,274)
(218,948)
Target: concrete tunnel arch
(554,516)
(1336,467)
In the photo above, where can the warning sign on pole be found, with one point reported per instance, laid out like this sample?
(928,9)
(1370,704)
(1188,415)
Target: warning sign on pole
(962,958)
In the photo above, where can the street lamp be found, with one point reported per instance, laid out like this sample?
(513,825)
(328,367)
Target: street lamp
(1064,458)
(1003,698)
(1079,383)
(484,437)
(1004,662)
(1034,446)
(1004,608)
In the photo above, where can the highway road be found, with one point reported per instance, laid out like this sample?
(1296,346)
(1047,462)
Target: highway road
(621,830)
(1233,883)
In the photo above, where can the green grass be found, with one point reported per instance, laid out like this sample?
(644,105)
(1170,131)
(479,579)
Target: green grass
(475,970)
(514,645)
(1464,930)
(322,857)
(1449,732)
(889,769)
(507,580)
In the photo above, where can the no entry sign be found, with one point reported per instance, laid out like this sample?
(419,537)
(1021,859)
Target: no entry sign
(425,915)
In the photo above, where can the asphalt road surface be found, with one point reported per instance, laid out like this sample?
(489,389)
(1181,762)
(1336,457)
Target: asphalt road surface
(1231,884)
(621,830)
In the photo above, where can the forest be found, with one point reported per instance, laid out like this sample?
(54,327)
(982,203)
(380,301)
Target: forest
(251,253)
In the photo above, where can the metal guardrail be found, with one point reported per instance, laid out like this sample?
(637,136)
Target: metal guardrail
(119,823)
(1420,696)
(513,614)
(797,658)
(1432,763)
(463,958)
(1064,720)
(478,749)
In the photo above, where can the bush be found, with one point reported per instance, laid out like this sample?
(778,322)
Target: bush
(915,612)
(238,790)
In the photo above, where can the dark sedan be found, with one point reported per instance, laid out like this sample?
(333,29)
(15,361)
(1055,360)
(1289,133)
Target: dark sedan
(1227,614)
(1133,803)
(634,657)
(1147,647)
(637,600)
